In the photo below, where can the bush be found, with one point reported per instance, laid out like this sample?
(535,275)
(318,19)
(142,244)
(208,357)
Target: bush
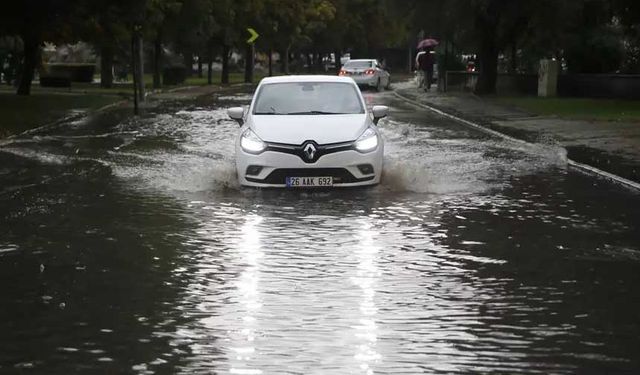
(595,51)
(174,75)
(50,81)
(73,72)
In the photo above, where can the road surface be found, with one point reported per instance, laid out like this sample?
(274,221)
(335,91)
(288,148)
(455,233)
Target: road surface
(127,246)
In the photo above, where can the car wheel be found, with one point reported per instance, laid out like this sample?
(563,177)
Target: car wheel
(379,85)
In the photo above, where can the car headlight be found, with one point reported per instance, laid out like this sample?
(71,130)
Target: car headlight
(368,141)
(251,143)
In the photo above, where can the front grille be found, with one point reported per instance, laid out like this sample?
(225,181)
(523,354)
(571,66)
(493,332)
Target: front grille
(340,175)
(299,150)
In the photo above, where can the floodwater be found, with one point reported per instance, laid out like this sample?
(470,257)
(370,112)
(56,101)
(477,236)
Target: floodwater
(127,246)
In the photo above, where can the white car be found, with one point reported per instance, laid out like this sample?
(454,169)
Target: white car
(308,131)
(368,73)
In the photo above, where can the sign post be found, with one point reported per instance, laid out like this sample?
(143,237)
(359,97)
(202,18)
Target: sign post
(250,55)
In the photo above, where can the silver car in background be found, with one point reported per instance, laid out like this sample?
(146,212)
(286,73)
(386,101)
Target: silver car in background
(367,73)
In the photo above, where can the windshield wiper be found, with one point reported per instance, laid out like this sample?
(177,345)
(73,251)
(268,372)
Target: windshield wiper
(316,113)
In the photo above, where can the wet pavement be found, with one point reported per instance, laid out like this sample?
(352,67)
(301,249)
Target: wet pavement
(611,146)
(126,246)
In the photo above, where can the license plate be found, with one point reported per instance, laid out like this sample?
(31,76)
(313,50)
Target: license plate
(299,182)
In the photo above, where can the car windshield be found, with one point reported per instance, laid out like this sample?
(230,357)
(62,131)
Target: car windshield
(359,64)
(308,98)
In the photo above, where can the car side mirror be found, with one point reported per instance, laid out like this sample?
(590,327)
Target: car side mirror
(236,113)
(379,111)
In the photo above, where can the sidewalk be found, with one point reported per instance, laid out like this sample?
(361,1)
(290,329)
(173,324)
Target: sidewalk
(45,107)
(193,92)
(612,146)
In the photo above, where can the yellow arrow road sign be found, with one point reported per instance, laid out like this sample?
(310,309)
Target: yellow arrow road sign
(254,35)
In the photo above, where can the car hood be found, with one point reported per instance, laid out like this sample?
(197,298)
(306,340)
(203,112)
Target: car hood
(323,129)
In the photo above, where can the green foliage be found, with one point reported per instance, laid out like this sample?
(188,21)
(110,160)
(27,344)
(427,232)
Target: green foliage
(578,108)
(591,35)
(595,51)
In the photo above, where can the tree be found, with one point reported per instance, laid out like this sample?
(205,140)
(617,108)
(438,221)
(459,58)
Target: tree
(36,21)
(191,29)
(627,12)
(103,23)
(284,27)
(160,14)
(498,24)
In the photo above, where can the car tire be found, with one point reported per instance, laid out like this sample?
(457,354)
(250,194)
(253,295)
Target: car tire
(379,87)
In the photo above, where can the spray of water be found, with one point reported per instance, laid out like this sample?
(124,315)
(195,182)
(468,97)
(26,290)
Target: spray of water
(192,150)
(417,161)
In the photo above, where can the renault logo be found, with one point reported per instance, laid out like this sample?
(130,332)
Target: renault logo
(310,151)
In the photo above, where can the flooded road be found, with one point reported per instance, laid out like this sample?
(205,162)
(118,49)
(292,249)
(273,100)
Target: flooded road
(126,246)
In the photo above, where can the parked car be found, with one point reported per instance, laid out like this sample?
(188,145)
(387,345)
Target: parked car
(367,73)
(308,131)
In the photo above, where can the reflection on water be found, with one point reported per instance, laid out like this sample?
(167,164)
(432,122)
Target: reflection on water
(130,248)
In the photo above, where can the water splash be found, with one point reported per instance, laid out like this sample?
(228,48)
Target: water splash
(418,161)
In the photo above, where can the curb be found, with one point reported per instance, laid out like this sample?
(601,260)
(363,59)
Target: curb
(112,105)
(584,168)
(216,88)
(57,122)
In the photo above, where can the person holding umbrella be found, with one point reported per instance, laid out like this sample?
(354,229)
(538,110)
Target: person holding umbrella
(425,61)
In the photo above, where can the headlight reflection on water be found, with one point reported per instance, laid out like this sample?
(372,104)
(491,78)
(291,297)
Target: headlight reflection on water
(250,248)
(365,278)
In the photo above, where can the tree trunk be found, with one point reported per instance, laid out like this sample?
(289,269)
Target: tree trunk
(514,59)
(139,64)
(224,76)
(338,56)
(248,63)
(270,62)
(442,74)
(319,66)
(487,21)
(488,77)
(199,66)
(209,62)
(106,65)
(188,61)
(134,72)
(157,62)
(309,57)
(30,62)
(284,56)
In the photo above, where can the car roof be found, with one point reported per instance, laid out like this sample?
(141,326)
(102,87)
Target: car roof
(306,78)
